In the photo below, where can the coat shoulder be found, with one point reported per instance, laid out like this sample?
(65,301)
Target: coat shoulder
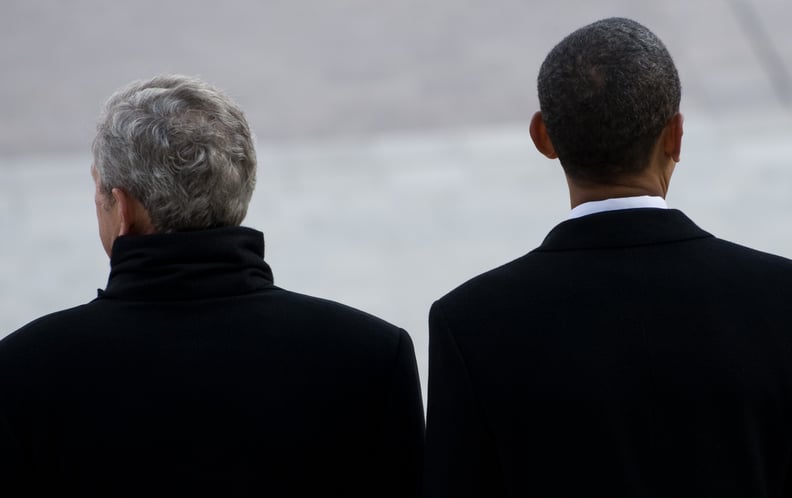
(501,277)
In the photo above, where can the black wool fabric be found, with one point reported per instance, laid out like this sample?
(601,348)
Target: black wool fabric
(631,355)
(192,374)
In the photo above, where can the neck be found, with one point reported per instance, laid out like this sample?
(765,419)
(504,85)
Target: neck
(652,181)
(580,192)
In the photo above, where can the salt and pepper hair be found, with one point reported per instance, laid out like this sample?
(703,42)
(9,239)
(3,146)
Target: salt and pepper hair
(181,148)
(606,92)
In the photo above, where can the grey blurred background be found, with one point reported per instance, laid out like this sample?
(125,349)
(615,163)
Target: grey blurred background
(394,157)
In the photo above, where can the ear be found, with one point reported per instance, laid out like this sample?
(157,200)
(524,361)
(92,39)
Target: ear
(672,141)
(540,137)
(133,219)
(124,211)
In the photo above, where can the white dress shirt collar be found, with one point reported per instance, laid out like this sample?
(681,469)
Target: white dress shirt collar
(642,201)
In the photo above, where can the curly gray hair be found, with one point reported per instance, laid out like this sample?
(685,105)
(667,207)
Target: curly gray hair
(606,92)
(180,147)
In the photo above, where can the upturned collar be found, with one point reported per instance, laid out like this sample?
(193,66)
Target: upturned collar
(188,265)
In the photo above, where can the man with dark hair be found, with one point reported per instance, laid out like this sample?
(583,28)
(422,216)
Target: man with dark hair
(192,374)
(632,353)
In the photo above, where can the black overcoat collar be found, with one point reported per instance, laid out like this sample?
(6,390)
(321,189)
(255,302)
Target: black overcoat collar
(622,228)
(188,265)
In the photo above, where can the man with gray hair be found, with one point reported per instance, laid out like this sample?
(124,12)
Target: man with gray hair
(632,354)
(192,374)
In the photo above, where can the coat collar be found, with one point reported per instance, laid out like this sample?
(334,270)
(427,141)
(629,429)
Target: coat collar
(622,228)
(188,265)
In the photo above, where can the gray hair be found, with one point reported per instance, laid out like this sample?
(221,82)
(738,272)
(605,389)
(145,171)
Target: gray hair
(180,147)
(606,92)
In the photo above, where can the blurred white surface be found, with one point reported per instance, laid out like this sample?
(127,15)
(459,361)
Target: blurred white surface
(391,222)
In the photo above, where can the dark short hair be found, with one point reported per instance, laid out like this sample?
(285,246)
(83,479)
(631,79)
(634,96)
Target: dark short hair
(606,92)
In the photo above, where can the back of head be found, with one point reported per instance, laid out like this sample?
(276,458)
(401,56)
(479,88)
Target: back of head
(181,148)
(606,92)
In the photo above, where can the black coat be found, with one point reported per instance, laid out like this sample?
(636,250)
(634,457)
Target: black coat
(631,355)
(193,375)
